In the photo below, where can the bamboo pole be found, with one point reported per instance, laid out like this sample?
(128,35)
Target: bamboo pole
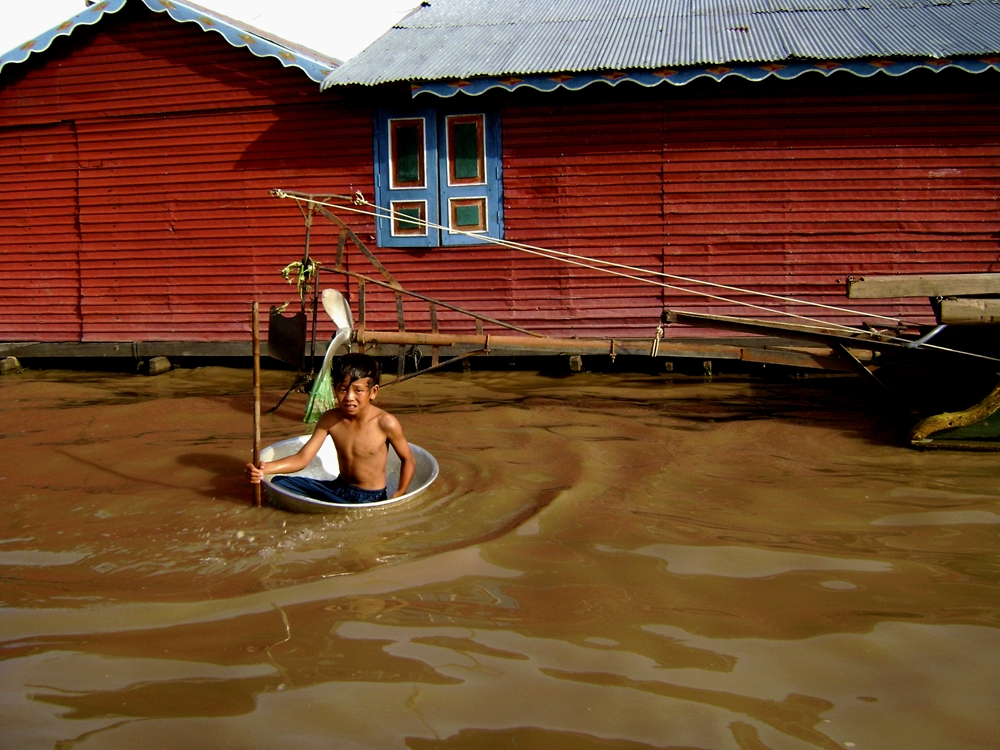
(463,358)
(497,341)
(255,327)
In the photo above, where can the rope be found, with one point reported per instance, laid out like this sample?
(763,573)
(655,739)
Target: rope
(587,262)
(604,266)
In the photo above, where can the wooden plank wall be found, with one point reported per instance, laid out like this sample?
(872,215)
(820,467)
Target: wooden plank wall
(568,187)
(136,156)
(585,179)
(39,234)
(135,163)
(848,177)
(784,188)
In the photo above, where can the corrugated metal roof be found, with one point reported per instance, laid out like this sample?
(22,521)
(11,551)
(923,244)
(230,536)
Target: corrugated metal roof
(238,34)
(447,39)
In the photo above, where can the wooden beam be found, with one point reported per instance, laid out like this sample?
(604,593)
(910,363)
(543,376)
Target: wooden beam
(543,345)
(361,246)
(969,311)
(924,285)
(439,303)
(132,349)
(863,371)
(362,311)
(854,338)
(341,246)
(401,351)
(797,359)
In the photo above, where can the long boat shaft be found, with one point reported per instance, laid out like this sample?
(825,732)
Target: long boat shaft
(255,327)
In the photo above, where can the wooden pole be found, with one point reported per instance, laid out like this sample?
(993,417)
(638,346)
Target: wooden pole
(255,327)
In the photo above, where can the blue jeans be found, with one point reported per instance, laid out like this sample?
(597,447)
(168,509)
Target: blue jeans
(330,491)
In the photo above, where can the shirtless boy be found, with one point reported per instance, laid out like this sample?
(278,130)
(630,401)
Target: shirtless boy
(361,433)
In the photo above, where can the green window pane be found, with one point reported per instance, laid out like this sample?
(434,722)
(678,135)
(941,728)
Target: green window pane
(408,148)
(466,146)
(403,213)
(467,216)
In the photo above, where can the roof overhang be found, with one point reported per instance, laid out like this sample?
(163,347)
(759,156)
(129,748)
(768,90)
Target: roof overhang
(316,66)
(680,77)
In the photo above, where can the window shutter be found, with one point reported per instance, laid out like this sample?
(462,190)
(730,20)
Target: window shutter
(406,184)
(438,167)
(469,176)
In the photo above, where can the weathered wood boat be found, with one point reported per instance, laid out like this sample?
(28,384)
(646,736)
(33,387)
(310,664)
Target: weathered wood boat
(324,466)
(950,364)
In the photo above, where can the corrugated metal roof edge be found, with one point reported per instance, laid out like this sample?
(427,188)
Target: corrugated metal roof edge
(42,42)
(315,65)
(784,71)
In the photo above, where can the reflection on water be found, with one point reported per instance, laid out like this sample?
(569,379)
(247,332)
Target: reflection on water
(609,561)
(747,562)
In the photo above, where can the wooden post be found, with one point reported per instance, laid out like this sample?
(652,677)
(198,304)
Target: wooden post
(435,351)
(341,243)
(361,312)
(401,349)
(255,327)
(315,311)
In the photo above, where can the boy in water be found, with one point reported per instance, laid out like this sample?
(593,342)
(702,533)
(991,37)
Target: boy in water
(361,433)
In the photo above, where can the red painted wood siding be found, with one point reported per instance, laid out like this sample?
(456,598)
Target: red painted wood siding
(39,239)
(563,186)
(802,192)
(784,189)
(586,179)
(135,163)
(778,187)
(135,160)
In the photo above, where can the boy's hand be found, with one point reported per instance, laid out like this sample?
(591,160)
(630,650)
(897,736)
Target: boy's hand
(254,474)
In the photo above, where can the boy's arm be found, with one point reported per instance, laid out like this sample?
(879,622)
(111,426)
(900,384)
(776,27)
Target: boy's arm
(293,463)
(407,464)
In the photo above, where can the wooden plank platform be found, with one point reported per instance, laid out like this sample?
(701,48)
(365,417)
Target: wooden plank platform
(969,311)
(924,285)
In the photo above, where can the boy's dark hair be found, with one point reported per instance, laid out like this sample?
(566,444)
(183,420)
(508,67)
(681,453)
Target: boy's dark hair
(353,367)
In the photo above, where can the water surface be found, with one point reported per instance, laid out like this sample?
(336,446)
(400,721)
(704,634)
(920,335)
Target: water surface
(606,561)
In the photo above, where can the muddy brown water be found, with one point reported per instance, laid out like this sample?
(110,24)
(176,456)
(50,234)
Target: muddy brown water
(606,561)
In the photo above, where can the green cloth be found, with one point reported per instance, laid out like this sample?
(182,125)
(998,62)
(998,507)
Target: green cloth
(321,399)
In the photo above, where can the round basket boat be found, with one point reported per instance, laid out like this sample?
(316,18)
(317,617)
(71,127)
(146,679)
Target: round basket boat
(324,466)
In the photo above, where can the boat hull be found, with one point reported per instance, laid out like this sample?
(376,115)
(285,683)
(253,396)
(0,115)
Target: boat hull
(325,466)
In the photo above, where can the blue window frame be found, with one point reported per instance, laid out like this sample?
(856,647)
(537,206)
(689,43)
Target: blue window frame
(438,171)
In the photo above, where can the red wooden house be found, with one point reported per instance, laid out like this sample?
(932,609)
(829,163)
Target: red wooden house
(138,143)
(765,150)
(775,150)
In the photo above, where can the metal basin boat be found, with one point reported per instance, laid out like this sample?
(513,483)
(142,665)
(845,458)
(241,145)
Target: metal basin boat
(324,466)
